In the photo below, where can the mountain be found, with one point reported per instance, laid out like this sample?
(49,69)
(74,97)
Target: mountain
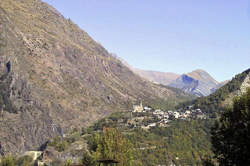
(198,83)
(223,97)
(55,77)
(164,78)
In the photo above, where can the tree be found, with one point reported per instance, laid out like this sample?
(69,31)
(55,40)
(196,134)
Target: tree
(7,161)
(112,145)
(231,134)
(25,161)
(67,163)
(88,159)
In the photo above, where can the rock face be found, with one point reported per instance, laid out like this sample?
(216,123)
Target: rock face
(245,84)
(198,83)
(54,77)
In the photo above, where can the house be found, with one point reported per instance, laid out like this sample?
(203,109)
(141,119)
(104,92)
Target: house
(170,112)
(166,116)
(158,112)
(162,124)
(164,121)
(176,115)
(152,125)
(147,108)
(198,110)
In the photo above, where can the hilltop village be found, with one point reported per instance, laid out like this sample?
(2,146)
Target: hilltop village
(146,117)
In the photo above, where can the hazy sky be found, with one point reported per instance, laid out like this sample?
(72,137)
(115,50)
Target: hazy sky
(169,35)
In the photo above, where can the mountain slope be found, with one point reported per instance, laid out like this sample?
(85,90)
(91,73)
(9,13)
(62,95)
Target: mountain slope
(203,76)
(223,97)
(198,82)
(54,77)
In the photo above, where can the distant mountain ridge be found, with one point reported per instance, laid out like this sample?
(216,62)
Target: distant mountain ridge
(164,78)
(197,82)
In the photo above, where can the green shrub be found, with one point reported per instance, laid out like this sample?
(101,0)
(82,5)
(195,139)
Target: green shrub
(8,161)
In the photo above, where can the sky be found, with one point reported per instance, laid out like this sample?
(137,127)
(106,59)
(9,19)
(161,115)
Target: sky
(169,35)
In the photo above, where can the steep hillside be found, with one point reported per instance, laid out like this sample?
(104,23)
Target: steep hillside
(54,77)
(198,82)
(223,97)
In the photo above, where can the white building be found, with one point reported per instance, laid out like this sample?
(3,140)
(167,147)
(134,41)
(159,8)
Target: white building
(138,108)
(176,115)
(147,108)
(158,112)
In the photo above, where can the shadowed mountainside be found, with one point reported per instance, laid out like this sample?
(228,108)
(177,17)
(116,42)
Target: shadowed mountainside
(198,83)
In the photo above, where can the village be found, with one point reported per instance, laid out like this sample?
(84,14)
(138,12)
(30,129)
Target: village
(146,117)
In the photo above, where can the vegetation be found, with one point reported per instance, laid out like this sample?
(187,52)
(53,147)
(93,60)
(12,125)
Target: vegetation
(183,142)
(231,134)
(170,103)
(67,163)
(88,159)
(25,161)
(12,161)
(112,145)
(58,144)
(8,161)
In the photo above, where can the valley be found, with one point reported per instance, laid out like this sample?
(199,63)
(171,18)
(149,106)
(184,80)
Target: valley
(65,99)
(55,77)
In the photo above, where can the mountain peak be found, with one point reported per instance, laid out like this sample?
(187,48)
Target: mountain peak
(197,82)
(199,70)
(202,75)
